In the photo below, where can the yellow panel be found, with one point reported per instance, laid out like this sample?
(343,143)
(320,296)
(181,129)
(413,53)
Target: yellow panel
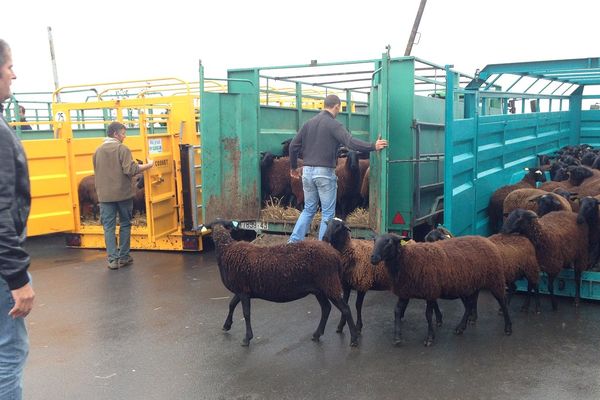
(51,197)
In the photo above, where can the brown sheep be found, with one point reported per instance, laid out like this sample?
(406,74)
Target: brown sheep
(88,198)
(535,200)
(364,188)
(559,242)
(448,269)
(357,272)
(519,260)
(348,182)
(279,273)
(532,176)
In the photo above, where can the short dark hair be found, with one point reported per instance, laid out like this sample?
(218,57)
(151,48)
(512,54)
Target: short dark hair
(331,101)
(4,49)
(114,127)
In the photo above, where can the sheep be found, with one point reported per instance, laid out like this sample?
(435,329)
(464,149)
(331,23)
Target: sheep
(88,196)
(532,176)
(519,260)
(537,200)
(348,181)
(438,233)
(588,213)
(448,269)
(364,188)
(559,241)
(275,177)
(357,272)
(139,198)
(279,273)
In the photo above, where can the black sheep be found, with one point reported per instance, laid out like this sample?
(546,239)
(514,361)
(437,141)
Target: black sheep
(279,273)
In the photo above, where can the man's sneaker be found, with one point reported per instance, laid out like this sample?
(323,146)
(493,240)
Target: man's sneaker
(113,264)
(123,262)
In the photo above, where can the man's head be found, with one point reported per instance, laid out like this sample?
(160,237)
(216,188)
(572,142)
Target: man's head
(6,72)
(332,104)
(116,130)
(21,112)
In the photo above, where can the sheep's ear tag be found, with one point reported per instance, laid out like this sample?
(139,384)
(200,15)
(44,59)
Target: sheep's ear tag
(235,224)
(526,169)
(203,229)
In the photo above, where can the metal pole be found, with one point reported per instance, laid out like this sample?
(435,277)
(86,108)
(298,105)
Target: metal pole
(415,28)
(53,57)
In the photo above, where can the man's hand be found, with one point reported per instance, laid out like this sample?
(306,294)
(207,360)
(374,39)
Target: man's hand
(295,173)
(380,143)
(23,301)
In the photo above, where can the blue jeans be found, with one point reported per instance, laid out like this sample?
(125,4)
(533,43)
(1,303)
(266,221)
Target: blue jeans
(319,183)
(14,347)
(108,216)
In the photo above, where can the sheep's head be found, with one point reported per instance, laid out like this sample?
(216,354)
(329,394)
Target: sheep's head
(353,160)
(517,221)
(535,174)
(548,203)
(439,233)
(267,159)
(588,158)
(386,248)
(337,233)
(285,147)
(225,223)
(577,174)
(563,192)
(588,211)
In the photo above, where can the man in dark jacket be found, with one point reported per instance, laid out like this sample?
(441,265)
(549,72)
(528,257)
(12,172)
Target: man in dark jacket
(318,141)
(16,293)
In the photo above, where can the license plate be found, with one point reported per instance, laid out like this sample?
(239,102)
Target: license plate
(254,225)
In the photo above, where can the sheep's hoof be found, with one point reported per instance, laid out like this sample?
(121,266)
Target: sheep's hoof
(354,342)
(459,331)
(428,342)
(315,338)
(226,327)
(438,323)
(340,329)
(398,341)
(245,342)
(525,309)
(508,331)
(576,303)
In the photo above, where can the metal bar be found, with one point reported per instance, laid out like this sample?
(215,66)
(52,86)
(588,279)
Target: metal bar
(514,83)
(534,82)
(342,81)
(413,33)
(326,74)
(417,173)
(329,64)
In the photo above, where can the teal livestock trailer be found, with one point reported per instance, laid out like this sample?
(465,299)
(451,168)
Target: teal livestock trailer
(401,99)
(545,105)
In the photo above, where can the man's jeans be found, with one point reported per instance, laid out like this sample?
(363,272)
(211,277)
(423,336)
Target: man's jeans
(14,347)
(319,183)
(108,216)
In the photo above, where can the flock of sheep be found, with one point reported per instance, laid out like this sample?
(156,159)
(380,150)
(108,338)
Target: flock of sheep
(540,230)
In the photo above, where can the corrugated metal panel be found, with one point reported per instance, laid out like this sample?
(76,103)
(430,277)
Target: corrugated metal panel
(52,206)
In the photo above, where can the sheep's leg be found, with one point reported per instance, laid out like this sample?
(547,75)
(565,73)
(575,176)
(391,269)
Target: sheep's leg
(472,319)
(360,297)
(507,323)
(525,306)
(401,307)
(536,293)
(232,305)
(342,322)
(246,307)
(398,315)
(338,302)
(462,325)
(577,285)
(438,313)
(325,310)
(551,291)
(428,314)
(510,291)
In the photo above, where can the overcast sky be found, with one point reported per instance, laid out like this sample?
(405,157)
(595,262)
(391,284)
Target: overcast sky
(103,41)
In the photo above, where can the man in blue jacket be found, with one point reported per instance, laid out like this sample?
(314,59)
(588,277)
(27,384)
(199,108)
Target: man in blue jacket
(16,293)
(318,141)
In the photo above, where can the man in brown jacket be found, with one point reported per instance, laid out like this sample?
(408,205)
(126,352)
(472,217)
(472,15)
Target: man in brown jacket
(114,169)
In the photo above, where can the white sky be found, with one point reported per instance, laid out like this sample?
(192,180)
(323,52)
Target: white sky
(108,40)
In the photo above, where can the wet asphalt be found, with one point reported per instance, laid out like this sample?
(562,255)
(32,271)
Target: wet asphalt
(153,331)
